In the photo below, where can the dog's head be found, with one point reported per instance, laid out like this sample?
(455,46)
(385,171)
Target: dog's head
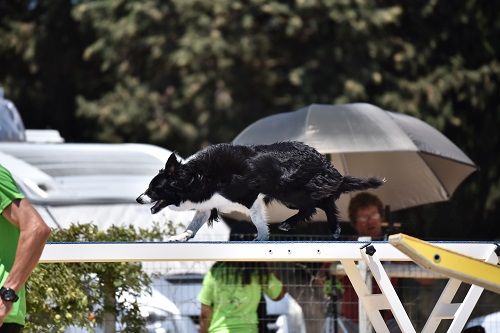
(167,187)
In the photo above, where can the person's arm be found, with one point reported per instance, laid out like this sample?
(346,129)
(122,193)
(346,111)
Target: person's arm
(205,317)
(275,284)
(206,297)
(281,294)
(33,233)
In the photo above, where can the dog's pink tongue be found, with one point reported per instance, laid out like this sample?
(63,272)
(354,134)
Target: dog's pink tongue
(156,207)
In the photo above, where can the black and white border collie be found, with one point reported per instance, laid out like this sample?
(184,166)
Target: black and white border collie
(226,178)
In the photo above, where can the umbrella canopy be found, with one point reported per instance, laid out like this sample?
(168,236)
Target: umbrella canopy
(419,163)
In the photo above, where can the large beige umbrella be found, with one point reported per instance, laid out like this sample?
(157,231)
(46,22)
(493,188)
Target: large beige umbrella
(419,163)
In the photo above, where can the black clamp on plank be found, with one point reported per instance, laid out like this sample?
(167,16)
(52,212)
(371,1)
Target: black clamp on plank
(369,249)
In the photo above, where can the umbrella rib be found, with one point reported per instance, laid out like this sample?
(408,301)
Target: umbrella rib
(448,195)
(308,113)
(450,159)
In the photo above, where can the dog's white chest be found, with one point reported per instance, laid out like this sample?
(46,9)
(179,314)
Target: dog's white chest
(222,204)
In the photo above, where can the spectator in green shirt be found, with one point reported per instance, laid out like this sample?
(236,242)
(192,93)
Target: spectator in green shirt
(23,234)
(231,293)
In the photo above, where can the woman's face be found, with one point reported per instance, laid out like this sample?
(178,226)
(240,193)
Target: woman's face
(368,222)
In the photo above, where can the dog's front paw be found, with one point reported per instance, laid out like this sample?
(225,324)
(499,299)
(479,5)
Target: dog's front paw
(182,237)
(337,232)
(285,226)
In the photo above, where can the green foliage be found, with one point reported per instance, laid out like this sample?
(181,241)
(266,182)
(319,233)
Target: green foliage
(57,299)
(85,294)
(183,74)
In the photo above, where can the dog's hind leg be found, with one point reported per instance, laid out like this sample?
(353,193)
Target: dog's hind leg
(200,217)
(328,205)
(304,214)
(258,215)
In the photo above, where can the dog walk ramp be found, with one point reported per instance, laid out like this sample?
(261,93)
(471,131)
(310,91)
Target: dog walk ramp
(358,259)
(450,263)
(460,268)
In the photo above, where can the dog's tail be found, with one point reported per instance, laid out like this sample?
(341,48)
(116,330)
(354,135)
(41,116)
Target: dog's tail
(350,184)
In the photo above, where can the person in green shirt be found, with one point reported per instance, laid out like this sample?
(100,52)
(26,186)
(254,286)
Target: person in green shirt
(23,234)
(231,293)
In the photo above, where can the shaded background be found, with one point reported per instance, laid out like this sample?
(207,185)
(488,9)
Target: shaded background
(185,74)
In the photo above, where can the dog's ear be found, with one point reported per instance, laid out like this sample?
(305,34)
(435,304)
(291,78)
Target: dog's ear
(171,164)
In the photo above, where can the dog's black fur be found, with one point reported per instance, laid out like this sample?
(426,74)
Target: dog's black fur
(291,173)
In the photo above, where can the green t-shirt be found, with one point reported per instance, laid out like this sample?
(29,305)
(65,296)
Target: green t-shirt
(9,237)
(235,305)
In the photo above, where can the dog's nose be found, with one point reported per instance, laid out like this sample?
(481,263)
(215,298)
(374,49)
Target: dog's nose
(140,199)
(144,199)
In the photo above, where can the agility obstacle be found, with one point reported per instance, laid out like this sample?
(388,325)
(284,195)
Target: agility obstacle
(460,268)
(471,262)
(450,263)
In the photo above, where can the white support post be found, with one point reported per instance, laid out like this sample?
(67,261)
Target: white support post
(364,322)
(388,295)
(372,303)
(458,312)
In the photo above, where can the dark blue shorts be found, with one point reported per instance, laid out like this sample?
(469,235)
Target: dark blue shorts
(11,328)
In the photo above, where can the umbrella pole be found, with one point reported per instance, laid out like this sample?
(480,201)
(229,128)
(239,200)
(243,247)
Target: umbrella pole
(390,222)
(334,299)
